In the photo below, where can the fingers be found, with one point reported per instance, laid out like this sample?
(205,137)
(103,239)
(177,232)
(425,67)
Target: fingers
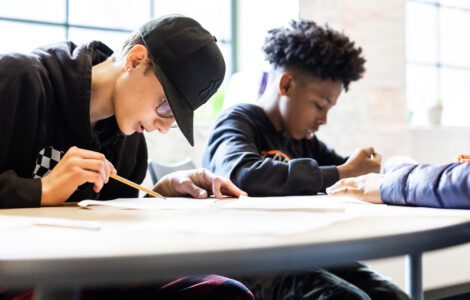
(347,182)
(463,158)
(369,151)
(228,188)
(93,177)
(98,166)
(372,154)
(377,157)
(76,167)
(195,191)
(197,183)
(216,187)
(346,191)
(221,186)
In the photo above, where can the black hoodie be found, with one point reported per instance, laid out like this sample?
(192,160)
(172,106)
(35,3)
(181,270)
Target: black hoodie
(44,109)
(245,147)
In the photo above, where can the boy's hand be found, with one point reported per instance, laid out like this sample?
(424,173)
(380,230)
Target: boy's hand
(198,183)
(365,188)
(361,162)
(76,167)
(463,158)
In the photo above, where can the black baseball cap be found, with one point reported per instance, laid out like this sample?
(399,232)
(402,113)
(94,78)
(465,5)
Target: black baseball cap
(187,62)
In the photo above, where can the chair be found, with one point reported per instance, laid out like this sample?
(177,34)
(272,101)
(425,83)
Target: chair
(158,170)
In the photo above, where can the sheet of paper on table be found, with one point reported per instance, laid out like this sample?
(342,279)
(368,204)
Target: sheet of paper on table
(301,203)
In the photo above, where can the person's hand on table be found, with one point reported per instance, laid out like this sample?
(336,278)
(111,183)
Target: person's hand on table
(76,167)
(365,187)
(197,183)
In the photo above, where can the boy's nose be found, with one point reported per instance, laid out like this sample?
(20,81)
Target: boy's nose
(164,125)
(322,121)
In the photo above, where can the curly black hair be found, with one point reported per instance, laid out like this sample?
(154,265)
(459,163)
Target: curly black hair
(321,51)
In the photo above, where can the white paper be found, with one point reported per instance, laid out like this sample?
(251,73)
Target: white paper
(293,203)
(301,203)
(150,203)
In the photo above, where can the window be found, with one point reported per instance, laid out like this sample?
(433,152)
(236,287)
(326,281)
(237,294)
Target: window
(26,24)
(438,59)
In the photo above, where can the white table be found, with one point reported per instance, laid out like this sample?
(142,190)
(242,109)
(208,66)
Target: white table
(135,246)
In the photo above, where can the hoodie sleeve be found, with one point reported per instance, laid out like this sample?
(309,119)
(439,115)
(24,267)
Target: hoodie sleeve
(233,153)
(442,186)
(20,104)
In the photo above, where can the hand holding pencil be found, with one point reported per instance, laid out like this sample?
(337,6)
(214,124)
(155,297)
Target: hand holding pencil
(79,166)
(76,167)
(362,161)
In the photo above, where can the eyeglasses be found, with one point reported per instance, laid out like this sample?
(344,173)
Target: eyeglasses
(164,110)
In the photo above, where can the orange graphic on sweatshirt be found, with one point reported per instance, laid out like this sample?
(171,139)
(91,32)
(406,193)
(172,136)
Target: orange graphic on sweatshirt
(277,155)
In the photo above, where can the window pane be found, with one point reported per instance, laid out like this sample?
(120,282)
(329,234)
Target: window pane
(455,41)
(421,86)
(113,40)
(25,37)
(128,14)
(421,32)
(44,10)
(456,3)
(214,15)
(227,53)
(456,97)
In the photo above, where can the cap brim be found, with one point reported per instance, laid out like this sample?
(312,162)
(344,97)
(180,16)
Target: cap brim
(183,113)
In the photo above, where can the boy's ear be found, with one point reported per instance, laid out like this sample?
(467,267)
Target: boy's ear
(285,83)
(137,55)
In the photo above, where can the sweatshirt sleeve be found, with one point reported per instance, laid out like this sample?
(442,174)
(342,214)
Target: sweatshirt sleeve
(233,153)
(442,186)
(20,104)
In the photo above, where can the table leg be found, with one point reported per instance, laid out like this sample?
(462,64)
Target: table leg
(55,293)
(414,276)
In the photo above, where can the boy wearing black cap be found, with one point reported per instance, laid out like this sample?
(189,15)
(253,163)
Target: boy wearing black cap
(270,148)
(71,115)
(78,106)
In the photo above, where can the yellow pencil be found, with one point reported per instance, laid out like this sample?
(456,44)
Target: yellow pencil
(135,185)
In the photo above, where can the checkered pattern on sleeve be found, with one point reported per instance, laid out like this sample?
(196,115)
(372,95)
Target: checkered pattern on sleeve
(46,161)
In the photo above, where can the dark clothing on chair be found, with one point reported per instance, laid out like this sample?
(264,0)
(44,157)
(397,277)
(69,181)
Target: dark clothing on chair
(354,282)
(206,287)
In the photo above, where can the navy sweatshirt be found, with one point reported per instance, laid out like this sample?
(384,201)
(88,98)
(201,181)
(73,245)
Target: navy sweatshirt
(444,186)
(45,110)
(245,147)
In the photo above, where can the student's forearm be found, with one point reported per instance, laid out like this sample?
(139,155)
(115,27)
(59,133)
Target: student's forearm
(445,186)
(271,178)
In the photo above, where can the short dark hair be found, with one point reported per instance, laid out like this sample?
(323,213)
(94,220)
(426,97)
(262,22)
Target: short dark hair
(135,39)
(321,51)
